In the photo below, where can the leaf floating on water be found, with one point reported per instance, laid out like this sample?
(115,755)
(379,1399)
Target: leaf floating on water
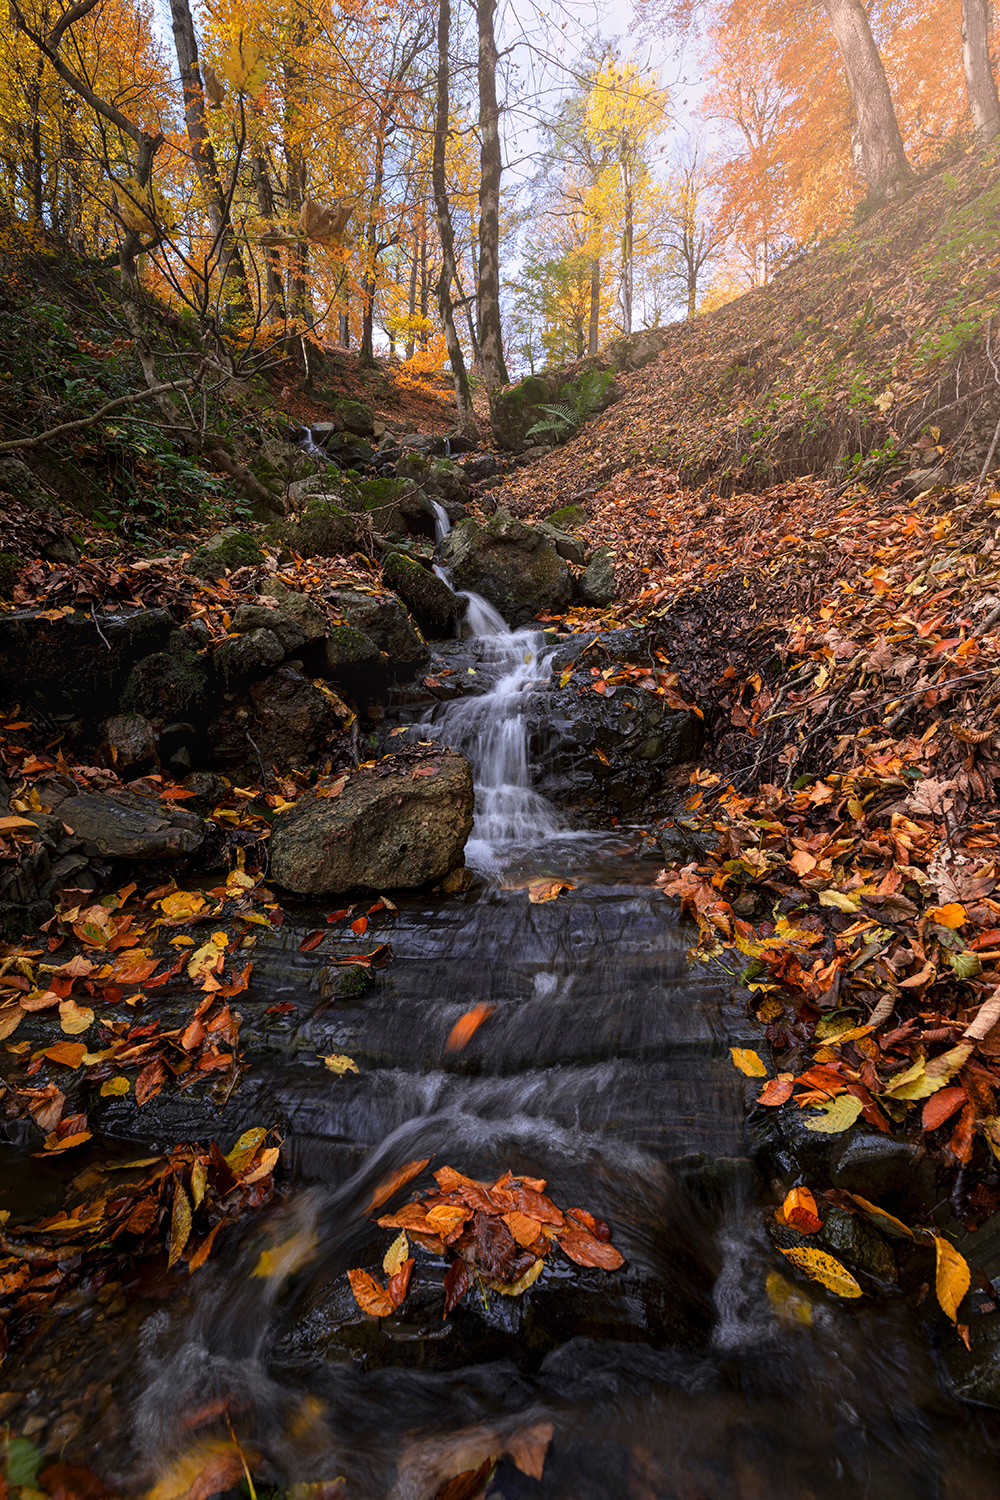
(370,1297)
(547,890)
(952,1277)
(245,1149)
(466,1026)
(397,1180)
(748,1062)
(180,906)
(311,940)
(586,1250)
(787,1301)
(837,1114)
(529,1448)
(287,1257)
(209,1467)
(819,1266)
(338,1062)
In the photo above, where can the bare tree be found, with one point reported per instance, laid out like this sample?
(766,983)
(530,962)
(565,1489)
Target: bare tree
(442,209)
(491,355)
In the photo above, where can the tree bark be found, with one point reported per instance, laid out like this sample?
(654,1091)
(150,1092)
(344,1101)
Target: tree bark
(203,155)
(883,159)
(493,365)
(594,321)
(274,310)
(980,82)
(446,233)
(299,299)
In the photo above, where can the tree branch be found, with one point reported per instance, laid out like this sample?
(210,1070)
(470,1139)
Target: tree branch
(13,445)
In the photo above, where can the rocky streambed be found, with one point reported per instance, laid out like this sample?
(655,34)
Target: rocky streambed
(476,784)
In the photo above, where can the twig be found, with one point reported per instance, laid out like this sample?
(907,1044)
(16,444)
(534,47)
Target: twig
(13,445)
(97,627)
(989,459)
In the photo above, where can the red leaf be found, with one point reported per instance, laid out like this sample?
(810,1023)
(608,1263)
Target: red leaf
(941,1106)
(588,1251)
(466,1025)
(776,1091)
(360,925)
(961,1140)
(456,1284)
(311,940)
(398,1284)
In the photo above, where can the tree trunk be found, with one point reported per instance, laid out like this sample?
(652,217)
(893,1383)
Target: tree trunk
(628,247)
(411,301)
(884,163)
(980,83)
(491,358)
(594,322)
(369,283)
(274,310)
(299,299)
(203,156)
(446,233)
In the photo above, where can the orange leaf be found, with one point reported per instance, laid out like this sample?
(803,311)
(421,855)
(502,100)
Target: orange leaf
(799,1211)
(311,940)
(370,1297)
(398,1179)
(588,1251)
(466,1025)
(360,926)
(941,1106)
(776,1091)
(398,1283)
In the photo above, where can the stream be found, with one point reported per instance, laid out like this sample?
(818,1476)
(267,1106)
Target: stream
(697,1372)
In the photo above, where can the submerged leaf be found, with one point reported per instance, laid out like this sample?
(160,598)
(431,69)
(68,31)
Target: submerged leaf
(819,1266)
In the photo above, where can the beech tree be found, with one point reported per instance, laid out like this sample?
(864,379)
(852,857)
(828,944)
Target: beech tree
(980,83)
(883,160)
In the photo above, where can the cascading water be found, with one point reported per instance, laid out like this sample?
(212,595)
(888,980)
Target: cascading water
(491,731)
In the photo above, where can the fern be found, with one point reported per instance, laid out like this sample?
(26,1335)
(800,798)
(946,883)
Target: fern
(561,420)
(579,399)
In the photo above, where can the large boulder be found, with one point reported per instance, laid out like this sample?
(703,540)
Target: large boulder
(306,613)
(435,606)
(324,529)
(75,664)
(293,723)
(354,662)
(241,658)
(599,583)
(123,825)
(393,827)
(511,564)
(261,617)
(224,553)
(354,417)
(384,620)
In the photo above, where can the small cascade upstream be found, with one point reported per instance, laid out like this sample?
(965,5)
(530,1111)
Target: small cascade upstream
(491,731)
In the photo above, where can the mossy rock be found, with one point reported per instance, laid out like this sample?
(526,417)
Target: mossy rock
(355,664)
(511,564)
(324,529)
(567,517)
(170,684)
(225,553)
(10,569)
(355,417)
(383,619)
(427,596)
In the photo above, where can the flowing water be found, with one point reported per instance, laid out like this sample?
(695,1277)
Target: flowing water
(695,1373)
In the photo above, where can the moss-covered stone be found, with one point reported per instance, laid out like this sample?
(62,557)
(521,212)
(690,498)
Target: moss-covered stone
(567,517)
(511,564)
(10,568)
(384,620)
(355,664)
(170,684)
(427,596)
(324,529)
(355,417)
(224,553)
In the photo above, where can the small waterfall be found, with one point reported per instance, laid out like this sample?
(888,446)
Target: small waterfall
(492,730)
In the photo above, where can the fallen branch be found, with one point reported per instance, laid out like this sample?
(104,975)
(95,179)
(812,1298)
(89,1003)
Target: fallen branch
(13,445)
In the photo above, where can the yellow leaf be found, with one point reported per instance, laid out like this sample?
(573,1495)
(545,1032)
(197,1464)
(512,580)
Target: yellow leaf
(953,915)
(787,1302)
(73,1018)
(245,1149)
(397,1252)
(819,1266)
(838,1114)
(180,905)
(338,1063)
(288,1257)
(840,899)
(199,1182)
(546,890)
(515,1288)
(115,1088)
(748,1062)
(952,1277)
(265,1166)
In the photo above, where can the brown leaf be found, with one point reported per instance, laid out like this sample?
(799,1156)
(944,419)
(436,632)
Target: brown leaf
(180,1225)
(525,1230)
(149,1082)
(311,940)
(528,1448)
(410,1216)
(456,1284)
(469,1484)
(588,1251)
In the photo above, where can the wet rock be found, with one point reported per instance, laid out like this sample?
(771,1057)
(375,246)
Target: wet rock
(599,585)
(208,787)
(230,549)
(511,564)
(324,529)
(423,442)
(130,744)
(355,664)
(259,617)
(171,684)
(123,825)
(384,620)
(891,1173)
(484,466)
(240,658)
(569,547)
(435,606)
(974,1373)
(855,1241)
(620,746)
(61,549)
(293,722)
(64,665)
(446,481)
(390,828)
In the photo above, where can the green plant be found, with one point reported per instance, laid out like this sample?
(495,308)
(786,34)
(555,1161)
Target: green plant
(579,399)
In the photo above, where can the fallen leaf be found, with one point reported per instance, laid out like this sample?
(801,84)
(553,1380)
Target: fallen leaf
(180,1225)
(311,940)
(819,1266)
(748,1062)
(456,1284)
(337,1062)
(520,1286)
(952,1277)
(799,1211)
(466,1026)
(180,906)
(397,1252)
(547,890)
(941,1106)
(528,1448)
(836,1115)
(524,1228)
(370,1297)
(586,1250)
(395,1181)
(73,1018)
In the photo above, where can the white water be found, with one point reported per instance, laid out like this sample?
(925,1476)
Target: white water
(491,730)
